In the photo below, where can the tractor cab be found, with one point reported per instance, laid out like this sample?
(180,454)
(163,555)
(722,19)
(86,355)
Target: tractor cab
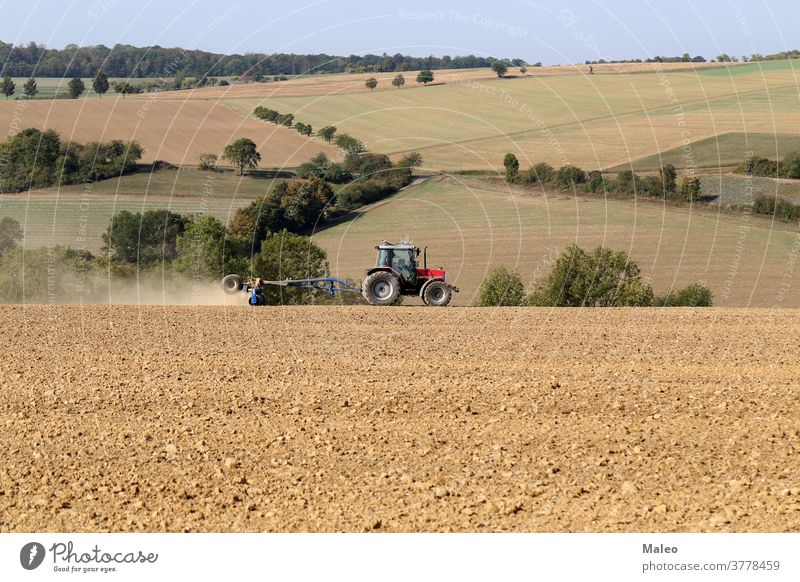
(401,259)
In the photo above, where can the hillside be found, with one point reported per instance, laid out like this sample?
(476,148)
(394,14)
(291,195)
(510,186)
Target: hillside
(471,226)
(174,131)
(78,215)
(594,121)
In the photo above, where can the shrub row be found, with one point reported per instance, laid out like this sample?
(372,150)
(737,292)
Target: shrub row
(597,278)
(38,159)
(788,167)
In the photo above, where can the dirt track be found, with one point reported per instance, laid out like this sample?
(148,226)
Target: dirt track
(402,419)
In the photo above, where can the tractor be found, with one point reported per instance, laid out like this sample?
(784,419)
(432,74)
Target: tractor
(395,273)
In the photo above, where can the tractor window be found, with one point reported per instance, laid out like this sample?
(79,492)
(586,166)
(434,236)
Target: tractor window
(384,258)
(403,263)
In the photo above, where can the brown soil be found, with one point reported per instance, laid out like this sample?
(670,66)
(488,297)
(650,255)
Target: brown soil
(401,419)
(175,131)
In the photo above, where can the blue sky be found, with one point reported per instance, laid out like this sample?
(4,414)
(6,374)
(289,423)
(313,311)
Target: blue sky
(534,30)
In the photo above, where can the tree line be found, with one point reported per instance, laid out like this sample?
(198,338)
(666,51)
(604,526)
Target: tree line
(124,60)
(626,183)
(39,159)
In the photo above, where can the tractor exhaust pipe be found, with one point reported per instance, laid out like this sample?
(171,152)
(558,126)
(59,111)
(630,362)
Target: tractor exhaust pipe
(425,257)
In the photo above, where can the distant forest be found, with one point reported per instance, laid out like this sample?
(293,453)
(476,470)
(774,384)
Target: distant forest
(129,61)
(723,58)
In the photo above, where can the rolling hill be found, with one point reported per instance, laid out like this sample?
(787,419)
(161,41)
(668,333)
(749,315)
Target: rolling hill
(472,226)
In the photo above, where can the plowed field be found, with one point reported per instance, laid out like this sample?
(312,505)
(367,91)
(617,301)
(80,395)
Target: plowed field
(174,131)
(401,419)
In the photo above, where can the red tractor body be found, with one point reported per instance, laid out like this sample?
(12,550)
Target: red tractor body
(396,273)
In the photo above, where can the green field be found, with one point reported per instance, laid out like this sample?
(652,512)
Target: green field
(723,150)
(50,87)
(78,215)
(471,226)
(598,121)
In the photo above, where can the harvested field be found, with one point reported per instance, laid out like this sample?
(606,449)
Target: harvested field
(593,121)
(354,82)
(175,131)
(165,419)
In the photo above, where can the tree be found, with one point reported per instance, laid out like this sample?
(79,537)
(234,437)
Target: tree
(371,83)
(7,86)
(29,88)
(242,153)
(523,70)
(327,133)
(10,234)
(76,87)
(303,128)
(285,255)
(399,81)
(690,189)
(425,77)
(200,248)
(303,203)
(410,160)
(145,239)
(724,58)
(501,288)
(500,68)
(349,144)
(100,83)
(511,164)
(207,161)
(668,178)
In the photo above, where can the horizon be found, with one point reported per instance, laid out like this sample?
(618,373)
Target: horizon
(552,33)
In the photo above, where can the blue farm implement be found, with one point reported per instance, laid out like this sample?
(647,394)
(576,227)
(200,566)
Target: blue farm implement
(253,287)
(396,272)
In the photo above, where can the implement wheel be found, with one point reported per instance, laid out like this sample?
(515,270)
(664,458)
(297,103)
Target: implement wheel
(232,284)
(437,294)
(381,288)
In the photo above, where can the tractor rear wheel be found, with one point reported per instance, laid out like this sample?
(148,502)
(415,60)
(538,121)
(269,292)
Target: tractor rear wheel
(437,294)
(231,283)
(381,288)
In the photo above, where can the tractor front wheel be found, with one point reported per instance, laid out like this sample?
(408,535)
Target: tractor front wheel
(437,294)
(381,288)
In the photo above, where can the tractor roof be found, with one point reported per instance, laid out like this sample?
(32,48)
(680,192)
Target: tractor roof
(402,245)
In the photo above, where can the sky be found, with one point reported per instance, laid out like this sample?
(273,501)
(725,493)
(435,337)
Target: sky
(542,30)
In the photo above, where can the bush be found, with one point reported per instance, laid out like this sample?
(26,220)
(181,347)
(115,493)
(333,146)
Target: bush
(207,161)
(10,234)
(68,275)
(568,176)
(694,295)
(223,83)
(600,278)
(541,173)
(501,288)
